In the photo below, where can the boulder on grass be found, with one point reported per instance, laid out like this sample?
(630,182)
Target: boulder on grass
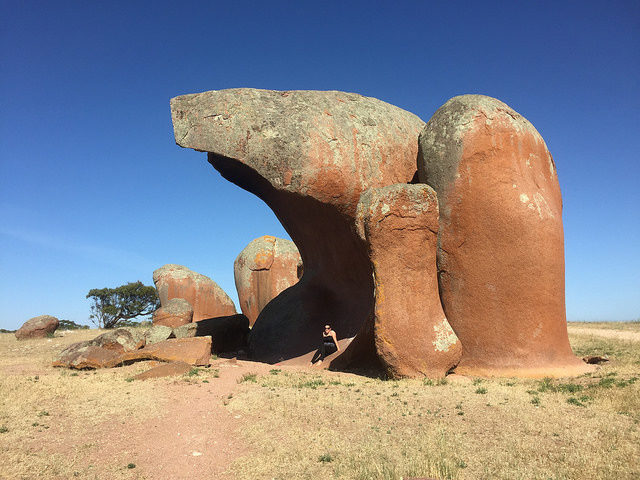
(101,352)
(194,351)
(263,269)
(205,296)
(165,370)
(176,312)
(38,327)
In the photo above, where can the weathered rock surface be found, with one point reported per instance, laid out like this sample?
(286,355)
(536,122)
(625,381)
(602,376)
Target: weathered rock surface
(157,333)
(119,340)
(265,268)
(194,351)
(205,296)
(411,335)
(119,346)
(104,351)
(228,334)
(309,155)
(188,330)
(501,244)
(165,370)
(37,327)
(176,312)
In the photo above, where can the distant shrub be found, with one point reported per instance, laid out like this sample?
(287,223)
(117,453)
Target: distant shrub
(70,325)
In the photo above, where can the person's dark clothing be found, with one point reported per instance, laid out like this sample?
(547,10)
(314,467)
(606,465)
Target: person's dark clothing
(327,347)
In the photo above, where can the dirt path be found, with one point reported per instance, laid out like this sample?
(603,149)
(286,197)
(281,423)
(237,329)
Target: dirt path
(606,333)
(197,437)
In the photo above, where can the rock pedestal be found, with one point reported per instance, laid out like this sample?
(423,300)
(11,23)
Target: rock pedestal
(411,335)
(38,327)
(309,155)
(265,268)
(205,296)
(501,244)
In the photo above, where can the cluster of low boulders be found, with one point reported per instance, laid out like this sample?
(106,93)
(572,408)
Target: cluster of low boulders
(196,318)
(191,343)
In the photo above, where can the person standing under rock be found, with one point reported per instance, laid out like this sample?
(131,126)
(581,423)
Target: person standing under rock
(329,345)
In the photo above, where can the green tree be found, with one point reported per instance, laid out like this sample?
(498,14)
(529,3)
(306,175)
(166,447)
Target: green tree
(113,307)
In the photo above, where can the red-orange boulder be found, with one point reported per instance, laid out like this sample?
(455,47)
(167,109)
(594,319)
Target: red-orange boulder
(176,312)
(309,155)
(102,352)
(265,268)
(501,243)
(194,351)
(38,327)
(205,296)
(411,334)
(165,370)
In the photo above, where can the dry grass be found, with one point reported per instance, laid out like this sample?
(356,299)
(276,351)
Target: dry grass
(316,424)
(44,411)
(622,326)
(329,425)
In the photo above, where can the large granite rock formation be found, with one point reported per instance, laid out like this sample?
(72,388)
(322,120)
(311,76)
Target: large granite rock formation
(309,155)
(501,244)
(37,327)
(205,296)
(265,268)
(412,337)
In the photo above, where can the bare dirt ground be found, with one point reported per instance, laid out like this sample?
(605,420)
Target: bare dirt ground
(246,420)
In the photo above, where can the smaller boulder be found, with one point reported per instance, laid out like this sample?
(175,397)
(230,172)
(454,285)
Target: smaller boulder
(175,313)
(165,370)
(119,340)
(188,330)
(83,355)
(194,351)
(38,327)
(102,352)
(157,333)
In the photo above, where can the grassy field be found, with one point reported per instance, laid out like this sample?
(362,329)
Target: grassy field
(301,424)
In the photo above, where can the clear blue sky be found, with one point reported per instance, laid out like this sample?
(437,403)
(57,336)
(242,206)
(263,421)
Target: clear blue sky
(94,192)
